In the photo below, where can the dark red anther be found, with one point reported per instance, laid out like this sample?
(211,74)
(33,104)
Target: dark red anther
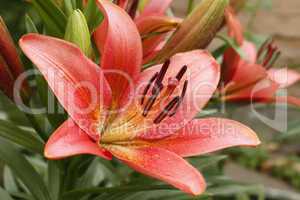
(273,60)
(162,72)
(155,92)
(148,87)
(272,52)
(183,92)
(181,72)
(184,89)
(167,110)
(263,46)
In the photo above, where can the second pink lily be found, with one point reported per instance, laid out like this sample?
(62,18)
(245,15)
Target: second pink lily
(253,79)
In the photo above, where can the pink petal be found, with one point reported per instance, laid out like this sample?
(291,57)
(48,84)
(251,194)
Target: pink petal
(245,76)
(163,165)
(284,77)
(76,81)
(203,76)
(203,136)
(118,40)
(262,91)
(234,64)
(69,140)
(155,7)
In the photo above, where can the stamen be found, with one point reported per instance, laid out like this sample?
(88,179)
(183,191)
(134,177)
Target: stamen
(155,92)
(183,92)
(166,110)
(148,87)
(181,72)
(263,46)
(162,72)
(273,60)
(184,89)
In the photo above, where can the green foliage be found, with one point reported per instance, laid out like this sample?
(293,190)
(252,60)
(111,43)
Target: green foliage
(54,19)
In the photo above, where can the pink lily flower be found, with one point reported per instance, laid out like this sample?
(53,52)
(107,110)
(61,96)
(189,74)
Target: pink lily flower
(253,79)
(153,25)
(154,128)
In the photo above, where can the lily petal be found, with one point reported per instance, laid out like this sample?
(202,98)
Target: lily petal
(69,140)
(203,136)
(118,40)
(155,7)
(234,64)
(76,81)
(263,91)
(284,77)
(163,165)
(203,74)
(244,76)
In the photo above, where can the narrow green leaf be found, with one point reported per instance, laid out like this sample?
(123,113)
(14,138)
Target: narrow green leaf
(93,15)
(4,195)
(98,190)
(25,138)
(54,179)
(53,17)
(23,196)
(10,111)
(29,24)
(23,170)
(9,181)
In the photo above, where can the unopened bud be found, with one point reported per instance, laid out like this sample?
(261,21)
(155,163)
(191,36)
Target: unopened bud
(197,30)
(77,32)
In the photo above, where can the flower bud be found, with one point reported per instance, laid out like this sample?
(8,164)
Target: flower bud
(77,32)
(197,30)
(10,62)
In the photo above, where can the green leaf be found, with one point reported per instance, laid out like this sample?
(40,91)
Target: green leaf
(10,111)
(53,17)
(233,189)
(25,138)
(4,195)
(29,24)
(9,180)
(93,15)
(98,190)
(23,170)
(54,179)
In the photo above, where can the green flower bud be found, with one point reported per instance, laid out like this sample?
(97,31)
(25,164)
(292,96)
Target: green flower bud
(197,30)
(77,32)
